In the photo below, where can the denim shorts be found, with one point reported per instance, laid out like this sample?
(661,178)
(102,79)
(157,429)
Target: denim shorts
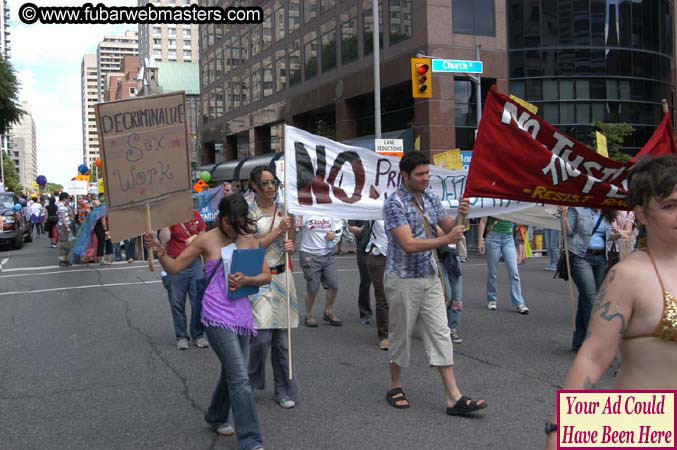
(319,269)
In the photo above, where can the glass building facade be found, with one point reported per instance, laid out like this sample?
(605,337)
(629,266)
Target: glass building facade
(582,61)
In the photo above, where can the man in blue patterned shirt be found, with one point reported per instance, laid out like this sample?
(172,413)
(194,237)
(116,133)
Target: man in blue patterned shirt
(412,282)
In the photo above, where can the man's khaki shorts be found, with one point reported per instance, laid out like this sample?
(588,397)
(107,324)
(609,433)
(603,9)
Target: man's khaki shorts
(411,299)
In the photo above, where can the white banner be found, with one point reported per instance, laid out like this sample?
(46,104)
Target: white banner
(76,187)
(327,178)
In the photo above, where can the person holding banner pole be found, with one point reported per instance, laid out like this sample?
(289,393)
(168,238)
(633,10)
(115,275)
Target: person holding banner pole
(413,283)
(588,230)
(229,322)
(270,305)
(635,310)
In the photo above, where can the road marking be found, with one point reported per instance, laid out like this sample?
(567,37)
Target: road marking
(61,272)
(18,269)
(4,261)
(80,287)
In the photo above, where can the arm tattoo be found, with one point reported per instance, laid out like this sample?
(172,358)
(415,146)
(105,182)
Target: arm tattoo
(609,317)
(604,308)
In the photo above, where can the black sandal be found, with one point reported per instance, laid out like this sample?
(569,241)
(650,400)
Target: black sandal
(465,406)
(392,396)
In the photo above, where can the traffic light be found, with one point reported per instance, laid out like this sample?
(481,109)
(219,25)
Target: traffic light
(421,81)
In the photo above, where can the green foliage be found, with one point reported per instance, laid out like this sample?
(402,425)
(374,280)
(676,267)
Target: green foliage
(53,188)
(10,112)
(615,136)
(11,174)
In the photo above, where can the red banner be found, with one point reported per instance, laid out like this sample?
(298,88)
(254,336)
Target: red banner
(661,143)
(520,156)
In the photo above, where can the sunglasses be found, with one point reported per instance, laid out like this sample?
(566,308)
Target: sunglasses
(266,183)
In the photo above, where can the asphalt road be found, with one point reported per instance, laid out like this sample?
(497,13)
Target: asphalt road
(88,361)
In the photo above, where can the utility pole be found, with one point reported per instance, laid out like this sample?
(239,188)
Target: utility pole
(377,70)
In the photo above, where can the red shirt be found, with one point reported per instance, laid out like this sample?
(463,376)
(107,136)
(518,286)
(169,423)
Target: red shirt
(177,243)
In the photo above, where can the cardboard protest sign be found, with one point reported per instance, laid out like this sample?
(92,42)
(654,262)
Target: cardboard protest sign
(520,156)
(327,178)
(144,151)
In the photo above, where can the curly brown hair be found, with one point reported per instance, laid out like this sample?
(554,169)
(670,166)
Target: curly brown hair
(652,177)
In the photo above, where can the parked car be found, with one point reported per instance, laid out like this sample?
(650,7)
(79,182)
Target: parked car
(15,229)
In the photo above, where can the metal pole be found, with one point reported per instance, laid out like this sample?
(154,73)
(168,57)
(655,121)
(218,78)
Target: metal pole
(478,89)
(377,70)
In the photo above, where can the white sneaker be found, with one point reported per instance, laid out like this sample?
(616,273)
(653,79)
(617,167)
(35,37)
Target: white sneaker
(287,404)
(182,344)
(455,337)
(522,309)
(226,430)
(201,343)
(491,306)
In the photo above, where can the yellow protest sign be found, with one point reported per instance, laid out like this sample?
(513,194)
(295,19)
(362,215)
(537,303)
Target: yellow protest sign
(533,109)
(601,144)
(451,159)
(82,178)
(101,189)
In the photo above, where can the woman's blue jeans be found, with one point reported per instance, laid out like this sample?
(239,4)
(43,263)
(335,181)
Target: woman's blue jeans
(588,273)
(233,390)
(497,244)
(182,284)
(454,285)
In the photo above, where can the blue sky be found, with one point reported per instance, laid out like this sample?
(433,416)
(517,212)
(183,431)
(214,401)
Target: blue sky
(47,60)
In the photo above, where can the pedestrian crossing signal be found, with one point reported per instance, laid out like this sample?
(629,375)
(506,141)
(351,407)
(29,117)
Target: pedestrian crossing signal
(421,81)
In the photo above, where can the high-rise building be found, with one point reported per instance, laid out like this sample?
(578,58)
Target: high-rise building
(125,83)
(5,52)
(109,54)
(168,42)
(310,64)
(25,150)
(89,85)
(598,60)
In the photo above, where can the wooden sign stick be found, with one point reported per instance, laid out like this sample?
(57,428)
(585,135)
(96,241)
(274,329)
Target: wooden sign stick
(149,230)
(286,277)
(570,281)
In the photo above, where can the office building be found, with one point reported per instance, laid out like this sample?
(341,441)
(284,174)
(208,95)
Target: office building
(89,86)
(597,60)
(168,42)
(109,54)
(125,83)
(25,151)
(310,64)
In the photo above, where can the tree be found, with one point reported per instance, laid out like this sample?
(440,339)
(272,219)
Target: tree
(10,112)
(615,135)
(11,174)
(52,188)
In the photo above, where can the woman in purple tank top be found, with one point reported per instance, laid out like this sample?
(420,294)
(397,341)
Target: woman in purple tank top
(229,323)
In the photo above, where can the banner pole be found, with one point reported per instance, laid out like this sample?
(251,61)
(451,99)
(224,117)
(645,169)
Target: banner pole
(149,230)
(287,259)
(570,281)
(665,106)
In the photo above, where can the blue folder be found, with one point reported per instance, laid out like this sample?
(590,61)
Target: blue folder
(248,262)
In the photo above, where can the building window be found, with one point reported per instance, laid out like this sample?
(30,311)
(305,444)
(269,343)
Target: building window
(368,24)
(475,17)
(267,77)
(219,62)
(310,54)
(157,41)
(328,46)
(294,63)
(294,12)
(401,20)
(172,42)
(186,43)
(280,71)
(256,83)
(157,30)
(327,5)
(236,93)
(244,47)
(349,49)
(267,29)
(309,10)
(245,93)
(256,40)
(279,21)
(186,32)
(157,53)
(172,31)
(219,102)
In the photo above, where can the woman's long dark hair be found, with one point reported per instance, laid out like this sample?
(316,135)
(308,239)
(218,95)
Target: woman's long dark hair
(255,176)
(235,208)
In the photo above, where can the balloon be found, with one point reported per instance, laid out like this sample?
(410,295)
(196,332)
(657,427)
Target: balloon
(41,180)
(206,176)
(17,207)
(98,163)
(83,169)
